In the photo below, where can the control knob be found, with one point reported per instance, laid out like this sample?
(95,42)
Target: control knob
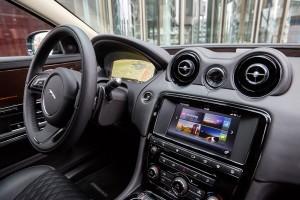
(153,172)
(179,186)
(154,150)
(212,198)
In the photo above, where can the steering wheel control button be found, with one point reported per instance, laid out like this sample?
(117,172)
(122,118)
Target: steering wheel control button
(179,186)
(186,68)
(38,83)
(153,172)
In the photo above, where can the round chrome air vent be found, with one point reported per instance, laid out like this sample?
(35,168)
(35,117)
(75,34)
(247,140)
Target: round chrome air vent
(185,67)
(257,75)
(215,76)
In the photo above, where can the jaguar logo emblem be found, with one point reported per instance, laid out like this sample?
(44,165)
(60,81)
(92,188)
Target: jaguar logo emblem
(52,94)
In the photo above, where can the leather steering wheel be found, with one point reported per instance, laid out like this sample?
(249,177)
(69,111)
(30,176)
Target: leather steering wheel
(67,96)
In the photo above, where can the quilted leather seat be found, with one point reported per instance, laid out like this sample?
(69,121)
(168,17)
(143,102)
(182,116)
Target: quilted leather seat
(38,183)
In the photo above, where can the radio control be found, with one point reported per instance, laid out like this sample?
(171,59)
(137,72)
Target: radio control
(161,147)
(153,172)
(180,186)
(187,171)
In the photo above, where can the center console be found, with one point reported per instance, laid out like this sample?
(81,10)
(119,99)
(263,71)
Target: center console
(202,149)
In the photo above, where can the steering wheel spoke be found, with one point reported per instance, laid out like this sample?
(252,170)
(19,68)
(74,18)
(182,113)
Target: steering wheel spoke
(37,83)
(47,133)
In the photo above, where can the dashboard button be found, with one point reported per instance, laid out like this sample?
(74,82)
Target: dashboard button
(194,175)
(232,171)
(205,161)
(200,177)
(189,155)
(177,150)
(165,181)
(168,162)
(168,146)
(166,175)
(192,195)
(193,156)
(162,160)
(160,143)
(207,180)
(154,150)
(185,153)
(183,169)
(172,148)
(153,140)
(196,191)
(218,165)
(172,164)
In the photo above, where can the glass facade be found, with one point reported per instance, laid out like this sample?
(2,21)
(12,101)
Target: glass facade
(238,21)
(172,22)
(272,13)
(291,33)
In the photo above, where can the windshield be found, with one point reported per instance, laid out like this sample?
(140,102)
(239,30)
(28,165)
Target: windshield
(177,22)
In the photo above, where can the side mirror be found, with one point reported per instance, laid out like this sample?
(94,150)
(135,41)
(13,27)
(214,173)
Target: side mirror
(34,40)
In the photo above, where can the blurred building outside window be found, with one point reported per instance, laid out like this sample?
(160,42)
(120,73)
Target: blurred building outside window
(173,22)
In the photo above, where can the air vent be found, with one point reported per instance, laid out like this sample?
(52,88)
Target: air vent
(257,75)
(215,77)
(185,67)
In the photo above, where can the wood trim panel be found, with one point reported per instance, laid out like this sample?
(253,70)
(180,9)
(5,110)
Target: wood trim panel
(12,82)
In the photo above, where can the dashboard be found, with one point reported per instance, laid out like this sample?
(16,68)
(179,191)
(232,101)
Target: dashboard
(212,124)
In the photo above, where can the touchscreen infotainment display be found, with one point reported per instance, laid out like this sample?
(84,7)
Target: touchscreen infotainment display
(203,127)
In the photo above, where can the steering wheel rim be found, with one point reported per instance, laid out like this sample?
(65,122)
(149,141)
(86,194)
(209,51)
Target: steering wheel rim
(83,90)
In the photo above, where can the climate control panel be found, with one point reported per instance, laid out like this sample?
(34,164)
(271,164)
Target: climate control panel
(179,173)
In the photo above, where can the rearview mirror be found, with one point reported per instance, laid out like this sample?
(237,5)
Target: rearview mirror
(34,40)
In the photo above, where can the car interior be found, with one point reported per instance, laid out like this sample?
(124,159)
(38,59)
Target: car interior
(103,116)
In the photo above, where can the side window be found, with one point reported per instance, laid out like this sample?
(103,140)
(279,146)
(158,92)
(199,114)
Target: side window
(15,26)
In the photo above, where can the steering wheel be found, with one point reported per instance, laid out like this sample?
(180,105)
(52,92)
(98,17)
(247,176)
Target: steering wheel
(67,96)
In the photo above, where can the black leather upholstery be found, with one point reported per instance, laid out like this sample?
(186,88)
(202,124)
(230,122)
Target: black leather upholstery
(38,183)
